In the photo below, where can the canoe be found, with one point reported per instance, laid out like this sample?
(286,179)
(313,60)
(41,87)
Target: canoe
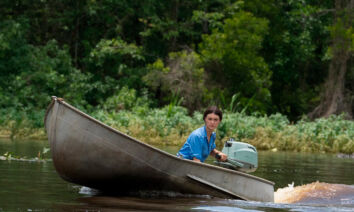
(88,152)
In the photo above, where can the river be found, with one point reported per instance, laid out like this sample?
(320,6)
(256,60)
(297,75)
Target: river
(304,182)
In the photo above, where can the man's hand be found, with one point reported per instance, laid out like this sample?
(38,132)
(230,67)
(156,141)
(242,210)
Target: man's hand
(221,156)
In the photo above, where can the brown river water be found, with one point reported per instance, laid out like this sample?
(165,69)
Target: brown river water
(304,182)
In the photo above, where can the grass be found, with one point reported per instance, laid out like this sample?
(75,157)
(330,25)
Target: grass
(20,133)
(172,125)
(275,132)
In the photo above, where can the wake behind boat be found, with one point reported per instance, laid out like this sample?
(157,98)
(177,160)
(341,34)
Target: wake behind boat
(87,152)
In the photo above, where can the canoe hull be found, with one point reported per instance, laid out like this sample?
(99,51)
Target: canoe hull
(90,153)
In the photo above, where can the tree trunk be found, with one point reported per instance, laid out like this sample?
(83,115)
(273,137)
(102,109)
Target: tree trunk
(334,98)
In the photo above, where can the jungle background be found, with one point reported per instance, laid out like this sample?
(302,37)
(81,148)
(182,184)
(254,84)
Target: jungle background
(281,70)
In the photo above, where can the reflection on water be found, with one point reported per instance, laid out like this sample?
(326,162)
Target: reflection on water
(318,182)
(109,203)
(143,204)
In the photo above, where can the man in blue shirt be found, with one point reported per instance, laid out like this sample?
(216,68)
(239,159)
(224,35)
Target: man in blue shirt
(201,142)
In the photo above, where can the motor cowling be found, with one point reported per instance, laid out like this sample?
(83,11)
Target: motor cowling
(241,156)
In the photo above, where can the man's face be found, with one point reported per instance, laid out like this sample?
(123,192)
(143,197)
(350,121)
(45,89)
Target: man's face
(212,121)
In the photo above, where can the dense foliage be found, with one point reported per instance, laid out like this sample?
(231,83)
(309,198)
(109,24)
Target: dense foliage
(252,57)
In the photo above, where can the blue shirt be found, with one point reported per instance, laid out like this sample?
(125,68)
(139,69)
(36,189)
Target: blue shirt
(197,145)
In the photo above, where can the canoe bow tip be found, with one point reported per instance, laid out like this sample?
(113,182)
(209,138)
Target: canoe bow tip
(54,98)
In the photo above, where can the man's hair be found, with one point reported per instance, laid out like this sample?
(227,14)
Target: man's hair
(212,109)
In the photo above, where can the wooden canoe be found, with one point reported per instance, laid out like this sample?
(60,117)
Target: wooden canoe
(87,152)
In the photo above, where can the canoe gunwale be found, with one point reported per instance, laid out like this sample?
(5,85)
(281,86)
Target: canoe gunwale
(61,101)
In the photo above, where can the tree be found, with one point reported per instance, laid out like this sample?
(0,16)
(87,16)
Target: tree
(30,74)
(232,61)
(294,48)
(182,77)
(114,64)
(335,99)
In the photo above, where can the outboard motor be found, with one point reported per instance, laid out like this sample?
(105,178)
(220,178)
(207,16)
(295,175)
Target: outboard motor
(240,156)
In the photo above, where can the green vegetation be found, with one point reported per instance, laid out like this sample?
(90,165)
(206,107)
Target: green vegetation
(131,63)
(171,126)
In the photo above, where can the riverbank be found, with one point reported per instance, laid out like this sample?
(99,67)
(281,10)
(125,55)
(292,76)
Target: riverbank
(28,133)
(171,126)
